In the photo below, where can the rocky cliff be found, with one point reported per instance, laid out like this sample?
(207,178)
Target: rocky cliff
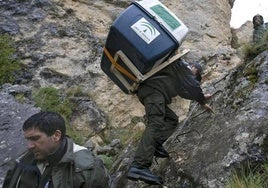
(60,44)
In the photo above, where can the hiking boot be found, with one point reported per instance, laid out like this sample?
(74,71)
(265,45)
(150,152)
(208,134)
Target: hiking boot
(161,152)
(145,175)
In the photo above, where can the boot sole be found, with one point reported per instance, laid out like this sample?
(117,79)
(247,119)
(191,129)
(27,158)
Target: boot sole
(160,155)
(136,177)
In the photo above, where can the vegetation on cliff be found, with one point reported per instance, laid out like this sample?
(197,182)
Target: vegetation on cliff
(51,99)
(252,50)
(251,175)
(9,64)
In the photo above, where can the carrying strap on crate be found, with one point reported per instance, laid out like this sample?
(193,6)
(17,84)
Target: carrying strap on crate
(119,67)
(165,64)
(136,76)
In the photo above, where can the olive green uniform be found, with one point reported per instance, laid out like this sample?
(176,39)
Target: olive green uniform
(155,94)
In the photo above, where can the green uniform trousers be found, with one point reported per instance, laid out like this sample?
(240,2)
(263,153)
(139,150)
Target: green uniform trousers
(161,123)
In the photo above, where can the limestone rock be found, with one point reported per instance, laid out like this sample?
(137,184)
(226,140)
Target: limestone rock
(12,116)
(243,35)
(60,44)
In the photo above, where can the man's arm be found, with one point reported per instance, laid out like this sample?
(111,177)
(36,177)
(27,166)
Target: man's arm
(100,176)
(12,176)
(196,92)
(206,106)
(192,86)
(90,171)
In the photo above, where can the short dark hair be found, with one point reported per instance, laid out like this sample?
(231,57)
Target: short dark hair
(47,122)
(257,20)
(199,70)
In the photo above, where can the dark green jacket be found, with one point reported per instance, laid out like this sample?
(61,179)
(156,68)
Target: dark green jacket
(259,31)
(78,168)
(176,79)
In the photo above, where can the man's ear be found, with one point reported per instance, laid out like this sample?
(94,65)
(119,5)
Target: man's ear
(57,135)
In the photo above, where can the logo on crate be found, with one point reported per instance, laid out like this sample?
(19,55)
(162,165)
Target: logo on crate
(145,30)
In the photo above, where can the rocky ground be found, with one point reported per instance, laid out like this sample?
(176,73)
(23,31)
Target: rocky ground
(60,43)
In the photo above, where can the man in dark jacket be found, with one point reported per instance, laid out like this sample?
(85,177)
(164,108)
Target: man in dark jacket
(53,160)
(155,94)
(259,27)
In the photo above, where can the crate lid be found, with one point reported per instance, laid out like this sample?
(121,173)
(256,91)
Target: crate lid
(166,18)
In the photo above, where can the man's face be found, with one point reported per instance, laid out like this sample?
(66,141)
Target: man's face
(258,21)
(41,144)
(194,70)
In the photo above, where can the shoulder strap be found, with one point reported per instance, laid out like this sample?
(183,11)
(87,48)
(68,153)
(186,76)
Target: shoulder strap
(163,65)
(12,177)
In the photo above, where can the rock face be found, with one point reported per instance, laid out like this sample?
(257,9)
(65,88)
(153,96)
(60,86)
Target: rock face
(208,22)
(207,147)
(12,116)
(243,35)
(233,135)
(60,43)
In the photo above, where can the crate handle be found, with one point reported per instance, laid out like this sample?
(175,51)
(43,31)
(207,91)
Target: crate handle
(117,66)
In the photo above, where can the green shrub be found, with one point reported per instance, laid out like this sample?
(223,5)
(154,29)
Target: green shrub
(249,177)
(252,50)
(50,99)
(75,135)
(75,92)
(107,160)
(8,63)
(125,134)
(249,181)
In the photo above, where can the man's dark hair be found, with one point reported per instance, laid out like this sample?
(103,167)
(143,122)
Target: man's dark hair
(199,70)
(257,20)
(47,122)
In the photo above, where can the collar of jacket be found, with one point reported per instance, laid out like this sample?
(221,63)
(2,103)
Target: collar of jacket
(80,156)
(55,157)
(69,154)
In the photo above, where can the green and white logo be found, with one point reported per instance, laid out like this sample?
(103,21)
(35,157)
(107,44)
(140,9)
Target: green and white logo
(145,30)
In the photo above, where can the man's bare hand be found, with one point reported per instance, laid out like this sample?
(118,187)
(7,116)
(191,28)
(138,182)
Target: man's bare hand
(207,96)
(207,108)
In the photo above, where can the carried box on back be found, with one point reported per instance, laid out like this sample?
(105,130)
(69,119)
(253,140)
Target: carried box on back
(143,36)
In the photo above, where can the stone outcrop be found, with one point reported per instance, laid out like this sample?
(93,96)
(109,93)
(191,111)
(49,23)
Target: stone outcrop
(12,116)
(242,35)
(206,148)
(235,134)
(60,43)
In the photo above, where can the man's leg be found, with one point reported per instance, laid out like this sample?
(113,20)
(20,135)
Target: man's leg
(170,124)
(161,122)
(155,113)
(154,103)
